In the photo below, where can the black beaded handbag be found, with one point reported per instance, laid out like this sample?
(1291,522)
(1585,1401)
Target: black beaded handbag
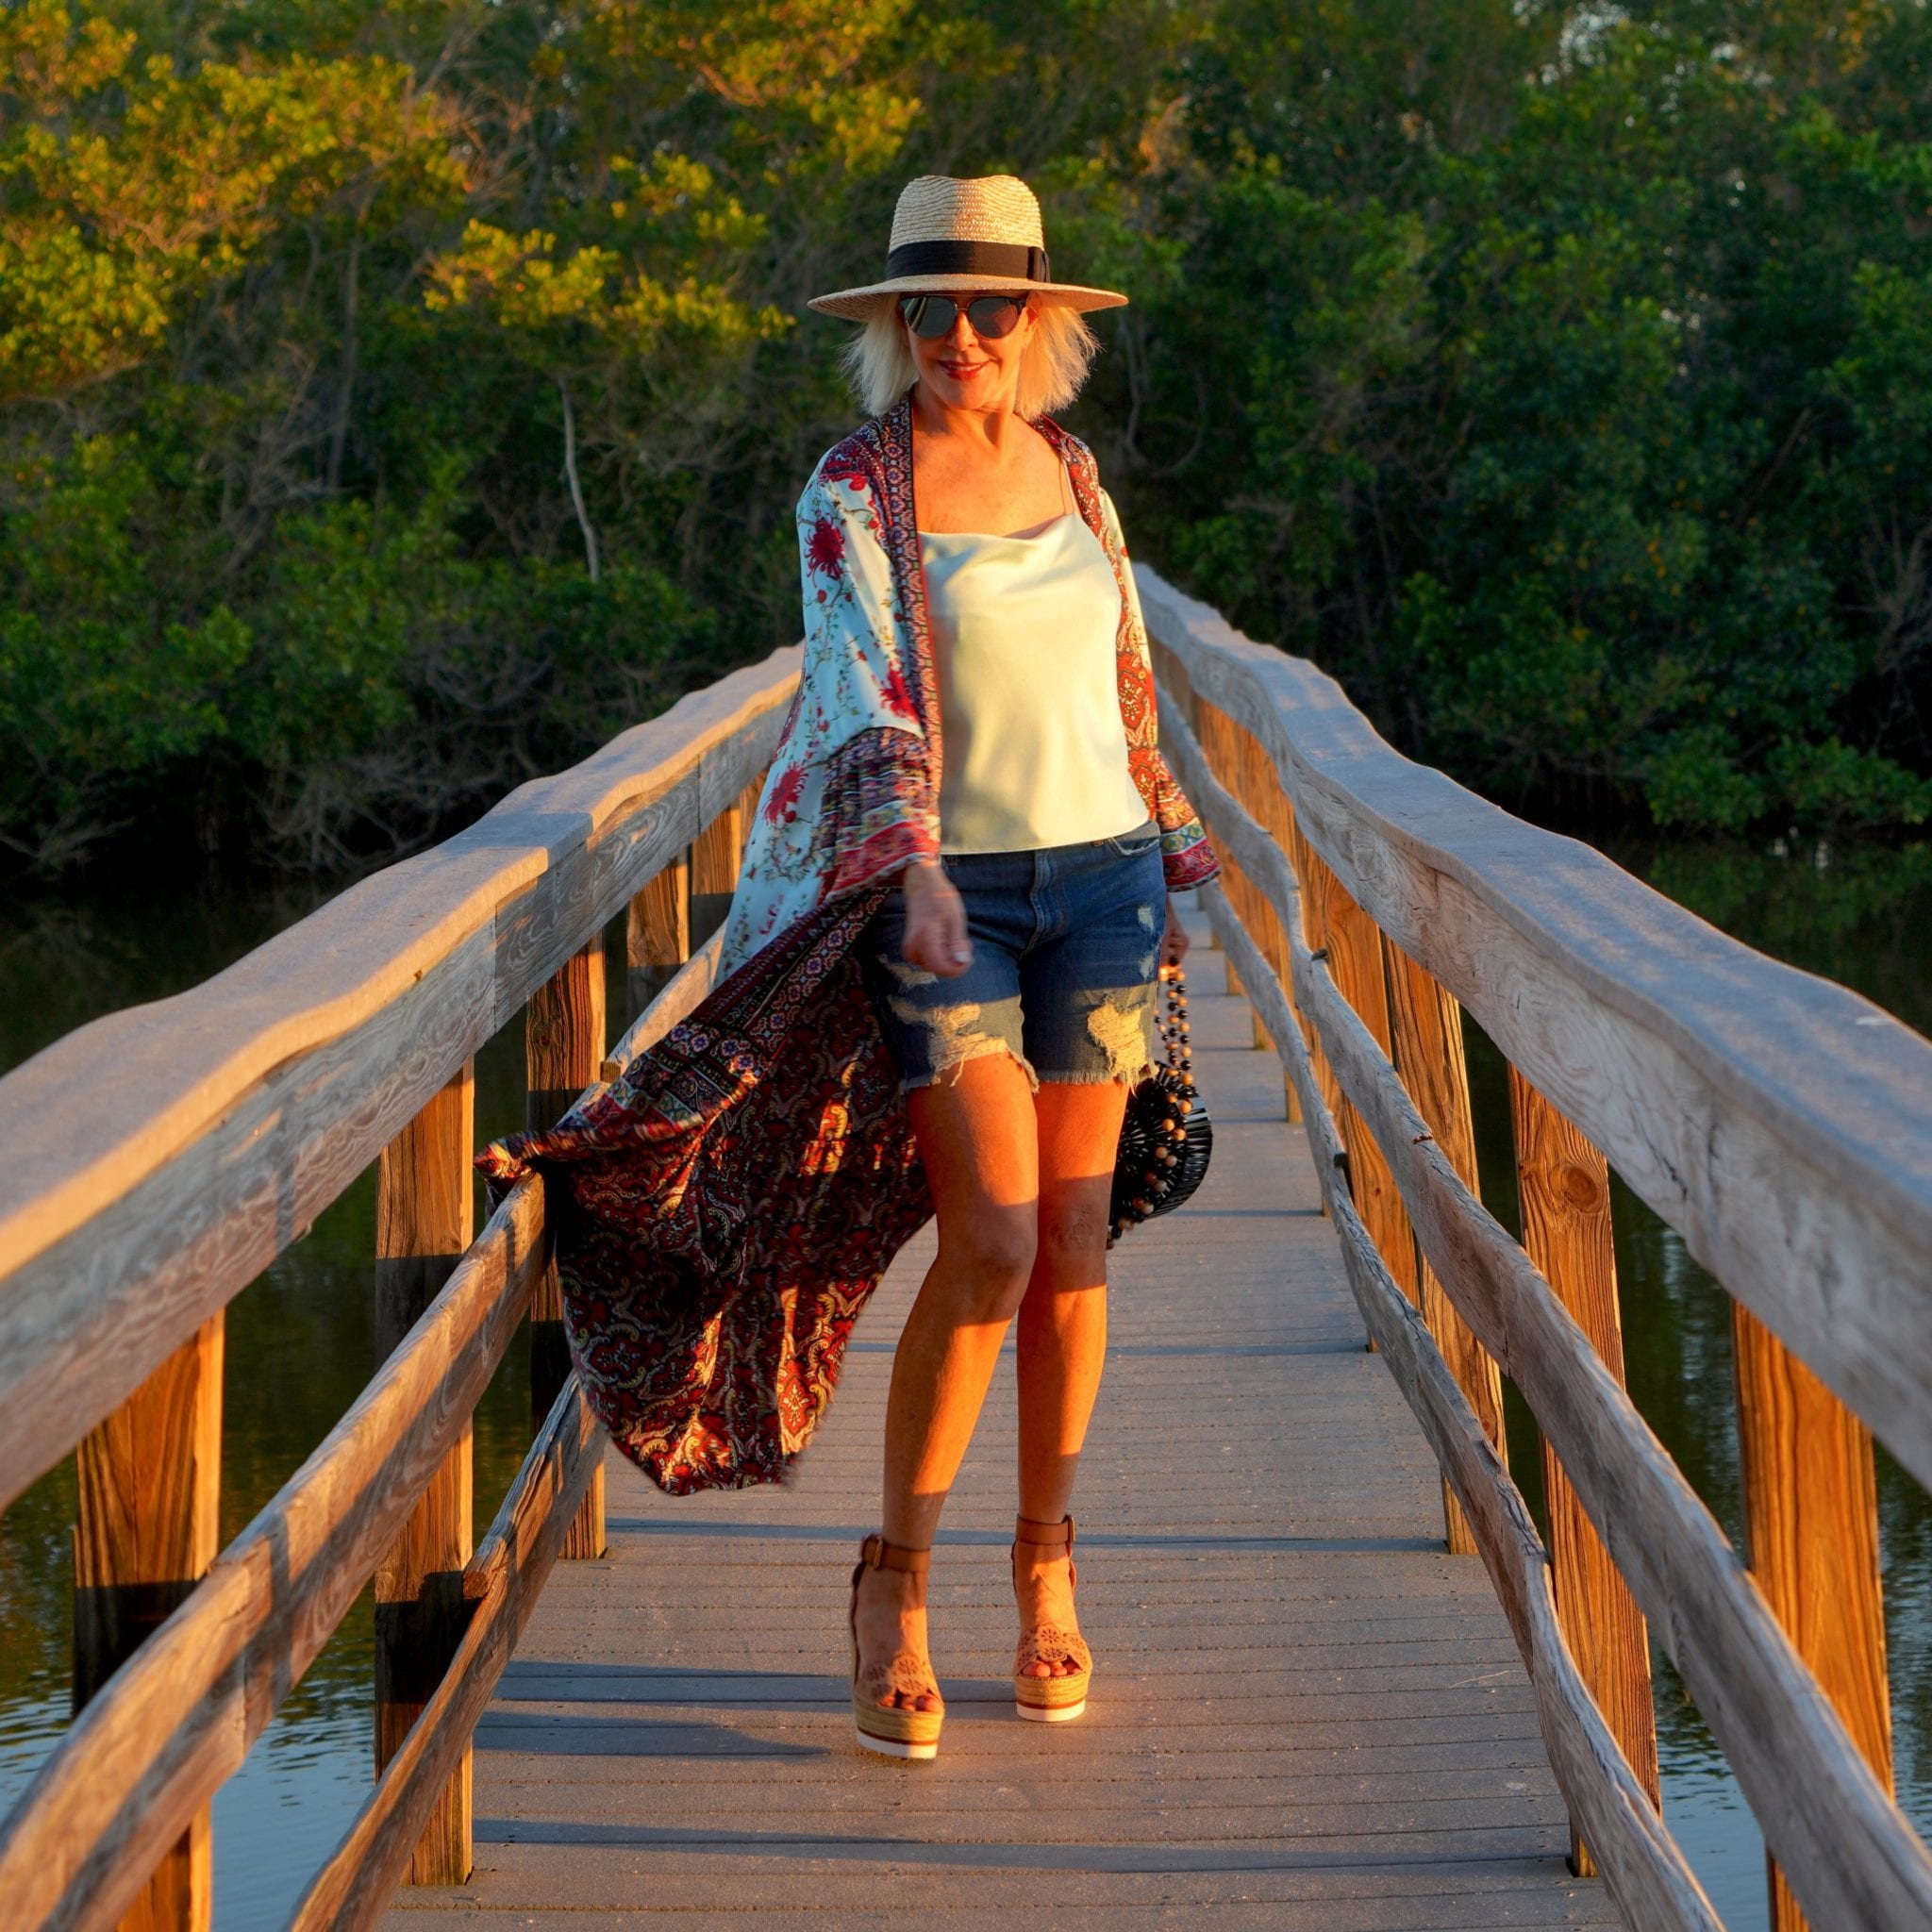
(1166,1137)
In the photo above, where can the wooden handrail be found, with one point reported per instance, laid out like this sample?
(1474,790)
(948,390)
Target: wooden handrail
(1781,1124)
(1826,1813)
(153,1162)
(266,1090)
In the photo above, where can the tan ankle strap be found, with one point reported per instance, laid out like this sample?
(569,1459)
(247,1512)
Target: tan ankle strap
(877,1554)
(1046,1536)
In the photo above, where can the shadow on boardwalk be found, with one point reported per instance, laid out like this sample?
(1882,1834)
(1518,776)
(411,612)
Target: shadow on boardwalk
(1305,1713)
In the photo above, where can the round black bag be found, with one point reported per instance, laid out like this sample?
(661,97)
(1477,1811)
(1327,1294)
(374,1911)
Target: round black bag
(1166,1137)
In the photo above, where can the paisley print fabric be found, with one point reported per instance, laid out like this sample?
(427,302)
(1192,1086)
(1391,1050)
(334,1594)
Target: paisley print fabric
(723,1211)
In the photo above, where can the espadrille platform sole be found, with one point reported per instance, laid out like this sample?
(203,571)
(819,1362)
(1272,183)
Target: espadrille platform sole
(1058,1699)
(885,1728)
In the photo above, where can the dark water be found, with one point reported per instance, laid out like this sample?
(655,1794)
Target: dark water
(299,1346)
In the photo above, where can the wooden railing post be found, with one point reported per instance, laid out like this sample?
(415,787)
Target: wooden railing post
(150,1479)
(564,1032)
(1427,1025)
(656,934)
(1565,1191)
(714,861)
(1811,1534)
(1355,964)
(424,1218)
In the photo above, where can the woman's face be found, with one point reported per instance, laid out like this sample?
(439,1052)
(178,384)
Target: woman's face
(965,369)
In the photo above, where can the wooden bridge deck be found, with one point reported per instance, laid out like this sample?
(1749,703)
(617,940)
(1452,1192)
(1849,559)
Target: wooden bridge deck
(1306,1714)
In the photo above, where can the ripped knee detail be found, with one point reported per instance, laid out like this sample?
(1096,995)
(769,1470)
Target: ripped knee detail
(956,1038)
(1121,1030)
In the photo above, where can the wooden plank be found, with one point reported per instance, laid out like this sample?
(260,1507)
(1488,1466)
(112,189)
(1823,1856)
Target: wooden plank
(1852,1855)
(153,1162)
(177,1720)
(657,934)
(1427,1027)
(503,1583)
(1781,1124)
(1564,1186)
(564,1032)
(425,1195)
(149,1491)
(1812,1533)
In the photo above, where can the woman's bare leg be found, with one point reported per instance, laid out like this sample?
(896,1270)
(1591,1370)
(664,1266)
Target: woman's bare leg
(1062,1338)
(978,1141)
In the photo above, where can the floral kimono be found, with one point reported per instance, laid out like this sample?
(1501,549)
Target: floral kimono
(724,1210)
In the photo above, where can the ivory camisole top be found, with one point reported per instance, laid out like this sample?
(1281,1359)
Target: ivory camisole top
(1023,631)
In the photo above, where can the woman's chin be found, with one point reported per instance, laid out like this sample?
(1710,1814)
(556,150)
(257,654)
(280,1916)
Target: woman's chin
(975,391)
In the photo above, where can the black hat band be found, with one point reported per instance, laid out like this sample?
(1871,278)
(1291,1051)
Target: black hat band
(1008,259)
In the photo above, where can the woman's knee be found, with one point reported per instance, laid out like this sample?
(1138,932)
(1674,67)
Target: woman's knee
(989,1253)
(1072,1241)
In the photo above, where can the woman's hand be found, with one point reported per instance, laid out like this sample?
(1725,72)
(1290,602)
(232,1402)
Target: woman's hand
(935,921)
(1174,942)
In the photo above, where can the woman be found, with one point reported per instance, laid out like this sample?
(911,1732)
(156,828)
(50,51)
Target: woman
(940,969)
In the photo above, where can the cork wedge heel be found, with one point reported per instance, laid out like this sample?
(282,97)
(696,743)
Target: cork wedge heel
(1051,1700)
(888,1729)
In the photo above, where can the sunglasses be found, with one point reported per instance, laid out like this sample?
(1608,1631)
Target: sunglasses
(931,317)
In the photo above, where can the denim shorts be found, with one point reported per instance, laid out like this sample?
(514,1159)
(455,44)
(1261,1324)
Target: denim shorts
(1066,948)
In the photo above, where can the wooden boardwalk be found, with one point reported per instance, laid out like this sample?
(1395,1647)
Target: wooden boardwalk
(1305,1713)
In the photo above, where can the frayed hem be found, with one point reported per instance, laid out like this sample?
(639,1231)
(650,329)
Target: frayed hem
(947,1074)
(1100,1076)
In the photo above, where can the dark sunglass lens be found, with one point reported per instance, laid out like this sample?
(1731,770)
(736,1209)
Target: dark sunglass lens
(993,315)
(928,316)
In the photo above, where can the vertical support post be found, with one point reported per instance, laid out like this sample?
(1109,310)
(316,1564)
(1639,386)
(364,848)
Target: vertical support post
(564,1036)
(1266,803)
(714,870)
(1355,964)
(1427,1025)
(1811,1532)
(1565,1187)
(150,1481)
(656,934)
(424,1218)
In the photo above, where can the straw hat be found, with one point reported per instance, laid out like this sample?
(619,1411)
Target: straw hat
(977,234)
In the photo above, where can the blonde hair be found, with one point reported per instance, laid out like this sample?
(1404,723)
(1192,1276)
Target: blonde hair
(1053,368)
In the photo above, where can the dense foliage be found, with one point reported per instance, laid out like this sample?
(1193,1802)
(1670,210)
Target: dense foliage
(396,396)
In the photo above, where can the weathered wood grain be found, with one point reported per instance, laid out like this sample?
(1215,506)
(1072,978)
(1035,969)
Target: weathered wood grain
(153,1162)
(1781,1124)
(177,1718)
(564,1032)
(1811,1534)
(1852,1854)
(149,1491)
(502,1586)
(424,1211)
(1647,1872)
(1563,1184)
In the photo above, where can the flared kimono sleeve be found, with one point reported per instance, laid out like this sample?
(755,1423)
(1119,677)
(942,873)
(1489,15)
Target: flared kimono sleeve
(1187,858)
(850,795)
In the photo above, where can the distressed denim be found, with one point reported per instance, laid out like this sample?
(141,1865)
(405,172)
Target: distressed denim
(1066,948)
